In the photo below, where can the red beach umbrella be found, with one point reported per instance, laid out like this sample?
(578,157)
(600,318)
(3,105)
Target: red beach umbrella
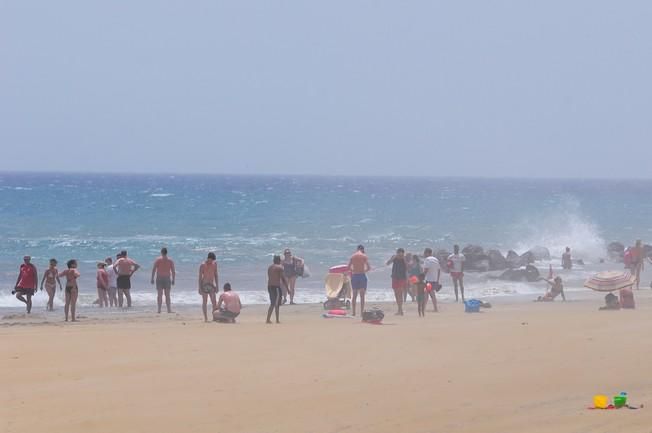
(610,281)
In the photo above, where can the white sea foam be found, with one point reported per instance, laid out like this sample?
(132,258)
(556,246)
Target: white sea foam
(161,194)
(560,226)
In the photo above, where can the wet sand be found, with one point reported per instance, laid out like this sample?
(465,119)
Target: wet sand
(518,367)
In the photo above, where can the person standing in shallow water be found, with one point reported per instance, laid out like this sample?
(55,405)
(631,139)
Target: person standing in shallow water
(638,253)
(113,290)
(124,267)
(359,266)
(72,289)
(208,281)
(292,268)
(163,274)
(399,277)
(275,278)
(566,260)
(26,283)
(50,280)
(432,271)
(456,266)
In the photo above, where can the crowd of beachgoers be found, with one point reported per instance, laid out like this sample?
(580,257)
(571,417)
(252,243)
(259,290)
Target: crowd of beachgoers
(417,276)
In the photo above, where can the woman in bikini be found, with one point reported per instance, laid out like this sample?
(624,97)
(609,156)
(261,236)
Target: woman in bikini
(50,281)
(72,290)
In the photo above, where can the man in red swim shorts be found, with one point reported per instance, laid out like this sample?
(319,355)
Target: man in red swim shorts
(399,277)
(26,283)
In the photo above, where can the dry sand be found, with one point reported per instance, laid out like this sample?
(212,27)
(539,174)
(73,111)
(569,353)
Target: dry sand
(519,367)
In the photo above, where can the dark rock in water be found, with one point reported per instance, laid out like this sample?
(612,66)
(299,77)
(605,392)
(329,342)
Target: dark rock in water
(540,253)
(513,259)
(528,273)
(497,262)
(476,259)
(526,258)
(478,264)
(579,262)
(616,251)
(647,250)
(473,250)
(442,256)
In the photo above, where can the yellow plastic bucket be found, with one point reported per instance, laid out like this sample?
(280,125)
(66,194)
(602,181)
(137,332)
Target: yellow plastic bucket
(600,401)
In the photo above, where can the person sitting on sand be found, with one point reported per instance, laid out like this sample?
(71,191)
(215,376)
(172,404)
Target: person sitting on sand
(26,283)
(556,289)
(627,298)
(232,306)
(610,302)
(208,281)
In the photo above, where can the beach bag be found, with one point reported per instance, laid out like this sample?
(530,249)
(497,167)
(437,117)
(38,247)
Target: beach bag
(373,316)
(299,268)
(472,306)
(436,287)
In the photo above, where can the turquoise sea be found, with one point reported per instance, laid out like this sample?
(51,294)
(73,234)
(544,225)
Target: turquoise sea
(247,219)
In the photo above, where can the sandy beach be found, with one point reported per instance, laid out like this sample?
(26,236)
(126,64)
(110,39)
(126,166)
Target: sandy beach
(518,367)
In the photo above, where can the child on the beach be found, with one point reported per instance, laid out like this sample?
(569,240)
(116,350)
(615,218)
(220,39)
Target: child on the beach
(102,284)
(50,280)
(611,302)
(422,298)
(113,290)
(72,291)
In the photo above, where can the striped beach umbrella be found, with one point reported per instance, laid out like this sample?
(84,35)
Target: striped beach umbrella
(610,281)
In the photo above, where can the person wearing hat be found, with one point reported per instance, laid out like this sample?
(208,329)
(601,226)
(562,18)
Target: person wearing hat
(26,283)
(359,266)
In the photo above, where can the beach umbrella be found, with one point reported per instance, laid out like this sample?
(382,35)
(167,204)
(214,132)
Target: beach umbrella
(610,281)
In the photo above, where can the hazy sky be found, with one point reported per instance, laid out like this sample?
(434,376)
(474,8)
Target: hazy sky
(483,88)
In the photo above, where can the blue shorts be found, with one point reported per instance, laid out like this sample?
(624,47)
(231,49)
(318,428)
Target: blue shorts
(359,281)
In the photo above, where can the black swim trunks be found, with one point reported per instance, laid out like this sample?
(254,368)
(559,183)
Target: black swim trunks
(274,294)
(124,282)
(163,283)
(24,291)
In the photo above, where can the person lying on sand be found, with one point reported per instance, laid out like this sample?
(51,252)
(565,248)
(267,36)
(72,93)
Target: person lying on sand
(611,302)
(556,289)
